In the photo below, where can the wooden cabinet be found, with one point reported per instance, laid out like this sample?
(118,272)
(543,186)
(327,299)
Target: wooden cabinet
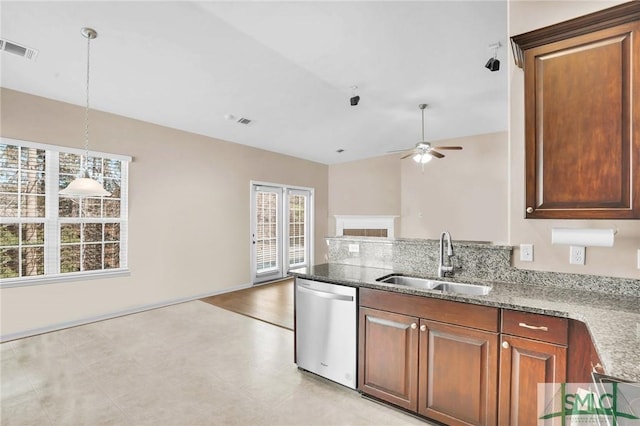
(457,374)
(389,357)
(434,357)
(582,356)
(465,364)
(525,362)
(582,116)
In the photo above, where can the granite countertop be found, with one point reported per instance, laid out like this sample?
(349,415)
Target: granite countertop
(612,320)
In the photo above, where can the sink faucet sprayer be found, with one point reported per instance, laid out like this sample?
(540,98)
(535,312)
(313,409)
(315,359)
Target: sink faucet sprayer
(442,269)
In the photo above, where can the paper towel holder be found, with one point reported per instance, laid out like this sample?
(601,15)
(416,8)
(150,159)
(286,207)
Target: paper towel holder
(583,237)
(580,238)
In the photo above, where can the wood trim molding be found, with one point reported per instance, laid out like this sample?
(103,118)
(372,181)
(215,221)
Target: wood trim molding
(606,18)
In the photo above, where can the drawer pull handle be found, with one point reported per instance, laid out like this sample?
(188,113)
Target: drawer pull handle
(533,327)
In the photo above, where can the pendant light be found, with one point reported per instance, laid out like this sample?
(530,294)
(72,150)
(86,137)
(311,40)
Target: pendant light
(85,186)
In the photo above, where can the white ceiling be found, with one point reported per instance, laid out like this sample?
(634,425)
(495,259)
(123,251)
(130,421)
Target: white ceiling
(288,66)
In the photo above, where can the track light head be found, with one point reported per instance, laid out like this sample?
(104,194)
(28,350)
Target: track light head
(354,98)
(493,64)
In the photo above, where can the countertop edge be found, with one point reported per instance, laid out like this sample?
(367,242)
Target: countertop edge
(598,336)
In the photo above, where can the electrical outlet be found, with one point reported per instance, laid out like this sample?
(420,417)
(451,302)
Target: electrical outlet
(354,248)
(526,252)
(576,255)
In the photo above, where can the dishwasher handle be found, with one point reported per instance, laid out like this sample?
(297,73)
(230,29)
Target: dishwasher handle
(326,294)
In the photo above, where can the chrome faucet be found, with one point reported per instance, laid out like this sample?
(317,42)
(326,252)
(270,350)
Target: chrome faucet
(442,268)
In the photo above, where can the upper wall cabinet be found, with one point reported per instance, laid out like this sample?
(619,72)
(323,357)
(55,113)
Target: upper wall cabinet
(582,116)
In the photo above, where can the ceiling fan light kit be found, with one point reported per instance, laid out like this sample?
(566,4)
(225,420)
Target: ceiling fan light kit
(85,186)
(422,158)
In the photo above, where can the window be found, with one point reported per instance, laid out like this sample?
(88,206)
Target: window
(44,235)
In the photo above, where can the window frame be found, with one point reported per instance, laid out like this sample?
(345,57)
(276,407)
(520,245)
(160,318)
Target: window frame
(52,221)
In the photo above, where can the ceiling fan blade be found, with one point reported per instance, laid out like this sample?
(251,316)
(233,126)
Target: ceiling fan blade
(436,154)
(447,147)
(407,155)
(399,150)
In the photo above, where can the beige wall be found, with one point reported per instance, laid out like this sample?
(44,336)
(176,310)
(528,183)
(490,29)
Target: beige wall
(365,187)
(188,217)
(618,261)
(464,193)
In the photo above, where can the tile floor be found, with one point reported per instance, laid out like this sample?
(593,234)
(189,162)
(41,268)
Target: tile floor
(187,364)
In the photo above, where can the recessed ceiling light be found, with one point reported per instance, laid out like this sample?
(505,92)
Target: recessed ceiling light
(230,116)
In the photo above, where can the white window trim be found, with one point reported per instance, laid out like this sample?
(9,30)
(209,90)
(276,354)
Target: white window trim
(365,222)
(51,251)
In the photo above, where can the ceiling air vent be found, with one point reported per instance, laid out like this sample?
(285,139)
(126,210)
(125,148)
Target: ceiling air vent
(17,49)
(243,120)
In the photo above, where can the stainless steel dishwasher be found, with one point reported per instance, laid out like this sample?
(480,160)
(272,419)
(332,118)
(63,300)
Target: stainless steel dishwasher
(326,317)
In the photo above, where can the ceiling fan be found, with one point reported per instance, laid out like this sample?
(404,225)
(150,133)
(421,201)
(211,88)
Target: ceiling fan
(423,152)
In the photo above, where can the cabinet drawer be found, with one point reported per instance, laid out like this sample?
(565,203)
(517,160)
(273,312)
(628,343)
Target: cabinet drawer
(535,326)
(458,313)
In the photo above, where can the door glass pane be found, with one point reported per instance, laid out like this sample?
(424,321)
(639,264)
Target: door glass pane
(266,231)
(297,240)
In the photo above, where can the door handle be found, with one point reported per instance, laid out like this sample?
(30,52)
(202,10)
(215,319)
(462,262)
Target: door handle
(326,294)
(533,327)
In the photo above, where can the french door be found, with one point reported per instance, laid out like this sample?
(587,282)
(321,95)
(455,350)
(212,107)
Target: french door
(281,230)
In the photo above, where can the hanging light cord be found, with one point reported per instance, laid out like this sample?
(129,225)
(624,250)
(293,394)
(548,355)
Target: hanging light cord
(86,111)
(422,124)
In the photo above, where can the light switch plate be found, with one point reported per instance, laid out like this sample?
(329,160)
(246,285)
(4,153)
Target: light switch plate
(526,252)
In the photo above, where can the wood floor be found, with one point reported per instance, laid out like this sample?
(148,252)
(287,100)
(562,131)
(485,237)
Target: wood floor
(272,303)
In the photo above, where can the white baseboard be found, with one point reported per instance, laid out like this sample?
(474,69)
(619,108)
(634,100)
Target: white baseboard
(113,314)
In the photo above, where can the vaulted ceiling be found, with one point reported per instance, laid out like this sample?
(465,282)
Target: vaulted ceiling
(287,66)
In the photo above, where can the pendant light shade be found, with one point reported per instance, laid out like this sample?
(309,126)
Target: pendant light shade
(85,186)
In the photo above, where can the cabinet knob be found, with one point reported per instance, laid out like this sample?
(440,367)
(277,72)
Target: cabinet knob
(423,328)
(414,326)
(505,345)
(529,210)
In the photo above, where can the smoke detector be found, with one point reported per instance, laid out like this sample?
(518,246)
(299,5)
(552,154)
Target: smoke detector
(18,49)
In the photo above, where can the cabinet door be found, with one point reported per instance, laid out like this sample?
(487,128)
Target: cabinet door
(458,379)
(582,126)
(388,357)
(523,364)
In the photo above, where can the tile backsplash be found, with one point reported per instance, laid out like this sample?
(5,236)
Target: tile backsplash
(479,260)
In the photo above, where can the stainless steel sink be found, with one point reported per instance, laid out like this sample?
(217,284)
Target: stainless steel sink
(443,286)
(410,281)
(462,288)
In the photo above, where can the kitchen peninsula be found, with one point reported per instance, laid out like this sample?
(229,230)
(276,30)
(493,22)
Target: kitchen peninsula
(589,323)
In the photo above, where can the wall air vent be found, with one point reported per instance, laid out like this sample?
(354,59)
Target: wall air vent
(17,49)
(243,120)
